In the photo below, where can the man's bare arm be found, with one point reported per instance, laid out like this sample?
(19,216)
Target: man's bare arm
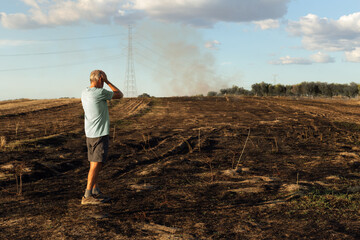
(117,93)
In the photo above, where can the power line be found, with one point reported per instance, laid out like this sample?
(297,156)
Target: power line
(109,58)
(130,72)
(162,56)
(163,67)
(56,52)
(80,38)
(149,49)
(143,37)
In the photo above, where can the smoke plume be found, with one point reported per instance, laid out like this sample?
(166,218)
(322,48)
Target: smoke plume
(182,65)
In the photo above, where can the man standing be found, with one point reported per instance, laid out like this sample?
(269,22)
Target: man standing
(97,127)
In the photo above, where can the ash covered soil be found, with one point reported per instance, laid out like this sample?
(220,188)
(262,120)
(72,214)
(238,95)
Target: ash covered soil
(184,168)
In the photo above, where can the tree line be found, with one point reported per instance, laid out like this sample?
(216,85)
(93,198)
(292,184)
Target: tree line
(304,89)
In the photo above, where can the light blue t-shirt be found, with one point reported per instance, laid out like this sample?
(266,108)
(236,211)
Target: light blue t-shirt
(94,102)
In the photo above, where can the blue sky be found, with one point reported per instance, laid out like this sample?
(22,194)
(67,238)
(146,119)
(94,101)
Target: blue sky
(48,48)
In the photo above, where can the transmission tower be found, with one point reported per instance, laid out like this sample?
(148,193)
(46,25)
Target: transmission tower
(275,78)
(130,81)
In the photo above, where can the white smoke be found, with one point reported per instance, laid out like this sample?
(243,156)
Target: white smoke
(182,64)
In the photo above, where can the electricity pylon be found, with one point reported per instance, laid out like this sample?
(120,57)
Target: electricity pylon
(130,80)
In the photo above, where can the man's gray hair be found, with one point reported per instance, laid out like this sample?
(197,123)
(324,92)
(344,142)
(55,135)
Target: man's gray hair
(95,75)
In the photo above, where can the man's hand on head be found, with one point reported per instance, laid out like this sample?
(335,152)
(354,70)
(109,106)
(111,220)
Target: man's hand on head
(105,79)
(117,93)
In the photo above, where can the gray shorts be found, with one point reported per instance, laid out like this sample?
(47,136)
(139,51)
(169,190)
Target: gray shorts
(97,148)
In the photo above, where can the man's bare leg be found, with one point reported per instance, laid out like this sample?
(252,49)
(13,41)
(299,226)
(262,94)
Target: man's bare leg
(93,175)
(88,198)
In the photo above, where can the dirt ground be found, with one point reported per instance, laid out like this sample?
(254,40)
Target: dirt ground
(184,168)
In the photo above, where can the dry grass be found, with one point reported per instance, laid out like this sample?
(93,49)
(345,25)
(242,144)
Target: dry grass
(20,144)
(242,152)
(26,105)
(16,128)
(2,142)
(19,170)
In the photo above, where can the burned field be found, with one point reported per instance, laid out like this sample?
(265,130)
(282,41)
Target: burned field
(184,168)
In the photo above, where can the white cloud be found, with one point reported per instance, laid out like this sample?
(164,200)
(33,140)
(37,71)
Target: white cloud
(207,12)
(55,13)
(353,56)
(31,3)
(212,44)
(202,13)
(328,34)
(267,24)
(291,60)
(320,57)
